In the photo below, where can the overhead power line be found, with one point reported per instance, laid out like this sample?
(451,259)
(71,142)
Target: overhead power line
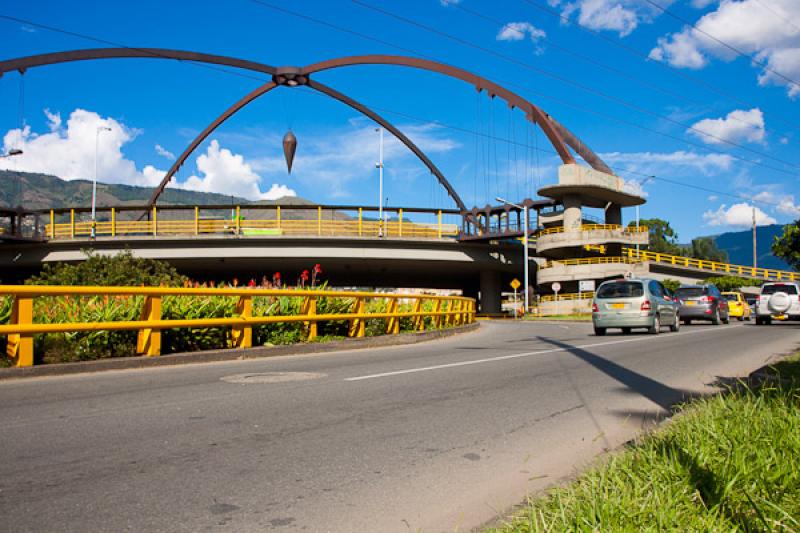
(569,81)
(646,58)
(551,152)
(751,57)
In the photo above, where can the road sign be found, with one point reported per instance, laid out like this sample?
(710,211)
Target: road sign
(586,285)
(556,286)
(515,284)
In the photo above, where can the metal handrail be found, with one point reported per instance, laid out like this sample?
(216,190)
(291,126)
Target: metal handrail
(590,261)
(595,227)
(567,296)
(447,311)
(713,266)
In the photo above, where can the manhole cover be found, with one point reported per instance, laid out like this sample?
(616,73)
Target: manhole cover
(272,377)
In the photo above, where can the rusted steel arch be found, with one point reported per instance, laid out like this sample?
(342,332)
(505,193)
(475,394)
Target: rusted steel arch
(252,95)
(396,132)
(21,64)
(558,135)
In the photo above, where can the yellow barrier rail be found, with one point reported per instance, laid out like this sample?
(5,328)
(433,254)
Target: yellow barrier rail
(248,227)
(712,266)
(591,261)
(446,311)
(568,296)
(596,227)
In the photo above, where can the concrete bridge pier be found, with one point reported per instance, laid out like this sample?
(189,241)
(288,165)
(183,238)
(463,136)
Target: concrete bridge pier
(614,215)
(572,213)
(491,281)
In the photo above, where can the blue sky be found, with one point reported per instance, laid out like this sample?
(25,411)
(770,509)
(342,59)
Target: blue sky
(650,94)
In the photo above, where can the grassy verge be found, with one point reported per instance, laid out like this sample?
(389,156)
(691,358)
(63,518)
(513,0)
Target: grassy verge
(725,463)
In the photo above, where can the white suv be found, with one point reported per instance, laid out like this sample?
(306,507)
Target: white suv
(778,300)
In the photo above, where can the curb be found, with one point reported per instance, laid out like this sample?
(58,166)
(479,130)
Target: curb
(212,356)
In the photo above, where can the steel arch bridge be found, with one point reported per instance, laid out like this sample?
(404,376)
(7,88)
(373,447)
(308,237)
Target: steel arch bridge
(291,76)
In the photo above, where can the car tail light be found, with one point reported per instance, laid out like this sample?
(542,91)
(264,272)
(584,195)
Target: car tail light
(709,299)
(646,305)
(595,309)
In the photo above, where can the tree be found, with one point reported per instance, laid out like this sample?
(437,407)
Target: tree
(705,248)
(787,246)
(122,269)
(671,284)
(732,283)
(663,239)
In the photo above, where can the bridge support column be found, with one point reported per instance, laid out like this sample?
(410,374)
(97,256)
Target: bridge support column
(614,215)
(490,292)
(572,213)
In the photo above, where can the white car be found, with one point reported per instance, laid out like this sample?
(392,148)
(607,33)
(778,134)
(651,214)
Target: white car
(778,300)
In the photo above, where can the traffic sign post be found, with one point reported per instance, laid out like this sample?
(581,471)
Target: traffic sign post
(515,285)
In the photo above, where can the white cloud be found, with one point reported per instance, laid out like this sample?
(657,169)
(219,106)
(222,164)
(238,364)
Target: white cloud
(620,16)
(784,203)
(448,2)
(784,140)
(740,215)
(517,31)
(737,126)
(669,162)
(746,26)
(713,198)
(69,152)
(700,4)
(160,150)
(228,173)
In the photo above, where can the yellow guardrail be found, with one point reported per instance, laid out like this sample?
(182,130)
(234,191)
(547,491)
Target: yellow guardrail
(591,261)
(239,226)
(712,266)
(567,296)
(446,311)
(595,227)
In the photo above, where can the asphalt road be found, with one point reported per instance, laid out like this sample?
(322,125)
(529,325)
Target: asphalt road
(440,436)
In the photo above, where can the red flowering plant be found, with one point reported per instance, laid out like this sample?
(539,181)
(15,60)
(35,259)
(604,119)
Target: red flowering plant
(276,279)
(303,278)
(316,271)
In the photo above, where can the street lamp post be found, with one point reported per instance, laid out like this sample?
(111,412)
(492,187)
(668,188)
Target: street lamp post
(94,181)
(380,184)
(524,242)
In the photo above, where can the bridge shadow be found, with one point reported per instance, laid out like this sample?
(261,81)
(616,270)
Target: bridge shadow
(664,396)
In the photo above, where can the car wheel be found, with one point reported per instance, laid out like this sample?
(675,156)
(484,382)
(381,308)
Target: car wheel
(599,331)
(726,320)
(767,320)
(626,331)
(740,319)
(759,321)
(676,325)
(687,322)
(715,320)
(656,328)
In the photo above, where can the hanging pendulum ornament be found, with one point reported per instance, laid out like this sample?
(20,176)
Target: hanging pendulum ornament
(289,148)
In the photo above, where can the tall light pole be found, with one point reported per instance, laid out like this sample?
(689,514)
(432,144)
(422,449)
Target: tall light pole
(94,181)
(380,183)
(524,241)
(755,253)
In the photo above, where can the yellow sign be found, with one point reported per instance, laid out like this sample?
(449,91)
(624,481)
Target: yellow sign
(515,284)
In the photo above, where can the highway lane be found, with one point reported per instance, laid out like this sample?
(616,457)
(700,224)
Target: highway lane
(434,437)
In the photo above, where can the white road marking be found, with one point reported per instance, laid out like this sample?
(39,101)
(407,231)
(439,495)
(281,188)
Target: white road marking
(528,354)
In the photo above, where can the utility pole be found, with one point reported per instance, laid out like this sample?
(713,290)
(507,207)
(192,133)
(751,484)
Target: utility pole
(755,253)
(380,184)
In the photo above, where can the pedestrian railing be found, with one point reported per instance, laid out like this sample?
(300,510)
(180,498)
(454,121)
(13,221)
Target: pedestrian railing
(592,261)
(444,311)
(595,227)
(315,222)
(712,266)
(567,296)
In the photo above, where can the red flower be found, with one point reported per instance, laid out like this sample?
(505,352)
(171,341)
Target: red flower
(317,269)
(304,275)
(252,283)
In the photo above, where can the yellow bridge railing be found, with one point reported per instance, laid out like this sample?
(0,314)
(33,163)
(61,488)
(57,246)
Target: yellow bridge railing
(712,266)
(596,227)
(158,225)
(568,296)
(445,311)
(591,261)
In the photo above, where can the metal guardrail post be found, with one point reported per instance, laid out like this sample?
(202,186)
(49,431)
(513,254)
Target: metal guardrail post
(319,221)
(155,222)
(358,326)
(71,223)
(52,224)
(278,216)
(399,223)
(439,217)
(392,322)
(196,220)
(309,308)
(238,220)
(20,345)
(242,336)
(113,222)
(359,221)
(148,341)
(437,319)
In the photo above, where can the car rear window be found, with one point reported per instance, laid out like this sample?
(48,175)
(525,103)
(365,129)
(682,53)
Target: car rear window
(690,292)
(731,297)
(779,287)
(621,289)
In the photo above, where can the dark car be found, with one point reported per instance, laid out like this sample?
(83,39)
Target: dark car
(702,302)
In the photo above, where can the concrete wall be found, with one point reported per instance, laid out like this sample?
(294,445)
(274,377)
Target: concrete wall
(574,239)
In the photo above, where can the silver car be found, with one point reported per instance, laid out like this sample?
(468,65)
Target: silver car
(634,303)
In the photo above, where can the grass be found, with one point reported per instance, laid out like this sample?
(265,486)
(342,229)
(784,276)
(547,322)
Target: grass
(727,462)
